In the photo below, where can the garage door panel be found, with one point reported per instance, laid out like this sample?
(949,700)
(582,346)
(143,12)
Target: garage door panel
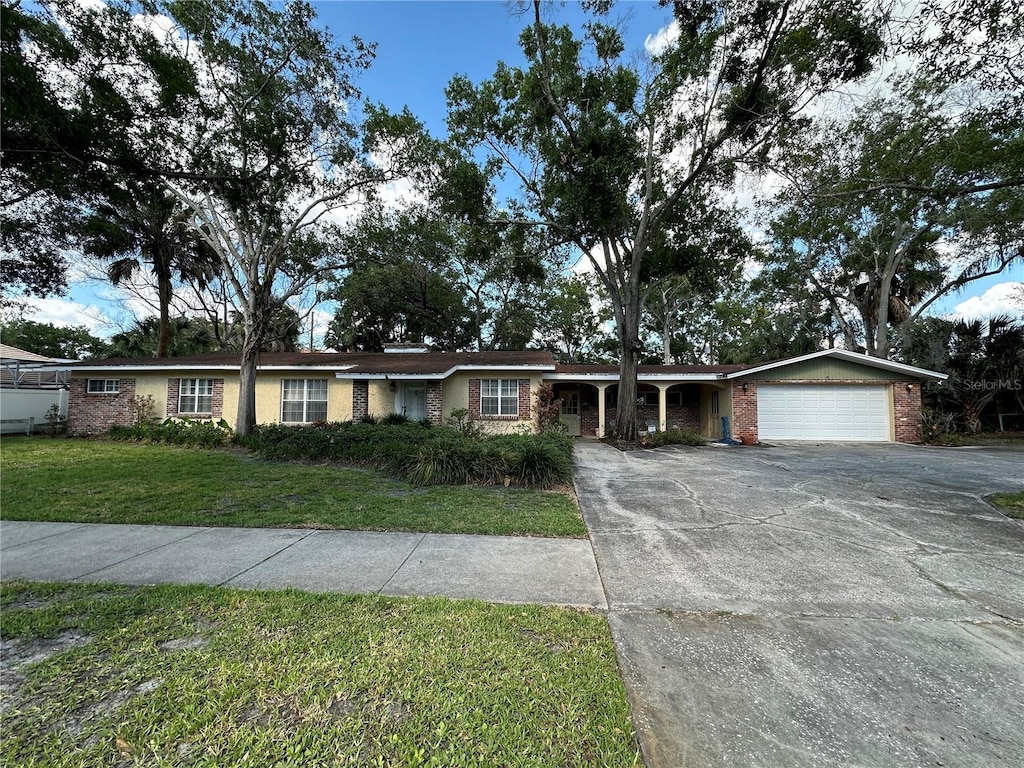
(823,412)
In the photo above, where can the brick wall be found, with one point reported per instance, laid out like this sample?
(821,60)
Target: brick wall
(217,399)
(360,399)
(474,398)
(434,401)
(744,412)
(907,412)
(525,399)
(173,392)
(93,413)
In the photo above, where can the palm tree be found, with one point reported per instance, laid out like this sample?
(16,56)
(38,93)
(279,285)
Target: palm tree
(143,225)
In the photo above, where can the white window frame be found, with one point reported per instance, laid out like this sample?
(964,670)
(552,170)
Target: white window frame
(306,401)
(106,387)
(501,396)
(191,393)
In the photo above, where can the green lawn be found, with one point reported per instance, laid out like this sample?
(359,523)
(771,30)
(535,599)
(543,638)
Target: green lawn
(95,481)
(1010,504)
(200,676)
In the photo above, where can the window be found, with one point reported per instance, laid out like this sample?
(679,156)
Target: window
(303,400)
(104,386)
(499,397)
(715,406)
(195,396)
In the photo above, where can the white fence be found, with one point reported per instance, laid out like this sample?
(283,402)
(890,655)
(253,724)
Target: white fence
(24,410)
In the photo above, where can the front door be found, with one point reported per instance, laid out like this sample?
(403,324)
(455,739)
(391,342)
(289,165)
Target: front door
(414,401)
(570,415)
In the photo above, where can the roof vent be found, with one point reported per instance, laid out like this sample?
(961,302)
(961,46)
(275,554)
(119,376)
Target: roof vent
(405,347)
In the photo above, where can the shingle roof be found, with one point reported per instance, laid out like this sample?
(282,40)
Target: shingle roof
(7,352)
(368,363)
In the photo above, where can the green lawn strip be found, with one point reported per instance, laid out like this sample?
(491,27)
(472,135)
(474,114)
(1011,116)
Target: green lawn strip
(200,676)
(95,481)
(1010,504)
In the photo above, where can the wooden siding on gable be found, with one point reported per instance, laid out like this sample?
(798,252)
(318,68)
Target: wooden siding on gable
(830,369)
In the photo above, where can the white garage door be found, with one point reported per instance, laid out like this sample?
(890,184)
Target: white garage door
(822,412)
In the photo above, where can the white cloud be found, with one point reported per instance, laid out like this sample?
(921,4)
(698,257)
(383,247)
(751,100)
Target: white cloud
(1002,299)
(662,39)
(69,314)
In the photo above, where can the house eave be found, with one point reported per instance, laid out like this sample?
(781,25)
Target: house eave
(614,377)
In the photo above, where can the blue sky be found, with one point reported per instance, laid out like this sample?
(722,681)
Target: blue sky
(420,46)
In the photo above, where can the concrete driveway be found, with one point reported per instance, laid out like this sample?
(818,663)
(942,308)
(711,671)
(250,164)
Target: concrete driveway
(813,605)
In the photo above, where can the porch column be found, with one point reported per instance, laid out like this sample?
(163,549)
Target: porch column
(663,406)
(600,409)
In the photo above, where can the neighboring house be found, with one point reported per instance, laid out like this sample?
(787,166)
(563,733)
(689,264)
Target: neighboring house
(29,385)
(828,395)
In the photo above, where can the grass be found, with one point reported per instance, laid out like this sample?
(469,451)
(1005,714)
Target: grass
(200,676)
(1010,504)
(95,481)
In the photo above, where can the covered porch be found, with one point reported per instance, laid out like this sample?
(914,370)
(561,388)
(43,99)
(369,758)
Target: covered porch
(676,400)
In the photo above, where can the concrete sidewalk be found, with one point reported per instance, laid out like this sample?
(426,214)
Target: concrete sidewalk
(494,568)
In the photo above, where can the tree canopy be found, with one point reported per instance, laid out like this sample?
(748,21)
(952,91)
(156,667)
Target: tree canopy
(619,160)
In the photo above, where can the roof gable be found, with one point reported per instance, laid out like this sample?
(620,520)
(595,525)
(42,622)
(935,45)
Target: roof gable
(847,356)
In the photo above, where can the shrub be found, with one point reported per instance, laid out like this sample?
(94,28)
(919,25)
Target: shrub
(460,422)
(392,419)
(676,437)
(204,434)
(939,428)
(422,454)
(548,409)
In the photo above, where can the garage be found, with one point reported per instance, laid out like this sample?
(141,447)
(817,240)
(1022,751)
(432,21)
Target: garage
(824,412)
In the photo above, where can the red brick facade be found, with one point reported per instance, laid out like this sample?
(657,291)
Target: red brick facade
(744,412)
(360,399)
(93,413)
(907,411)
(435,398)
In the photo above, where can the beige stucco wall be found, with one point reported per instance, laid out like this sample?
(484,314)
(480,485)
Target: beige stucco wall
(455,392)
(268,391)
(154,386)
(382,399)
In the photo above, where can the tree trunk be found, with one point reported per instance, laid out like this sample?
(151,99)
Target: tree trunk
(666,332)
(629,360)
(246,416)
(163,342)
(255,331)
